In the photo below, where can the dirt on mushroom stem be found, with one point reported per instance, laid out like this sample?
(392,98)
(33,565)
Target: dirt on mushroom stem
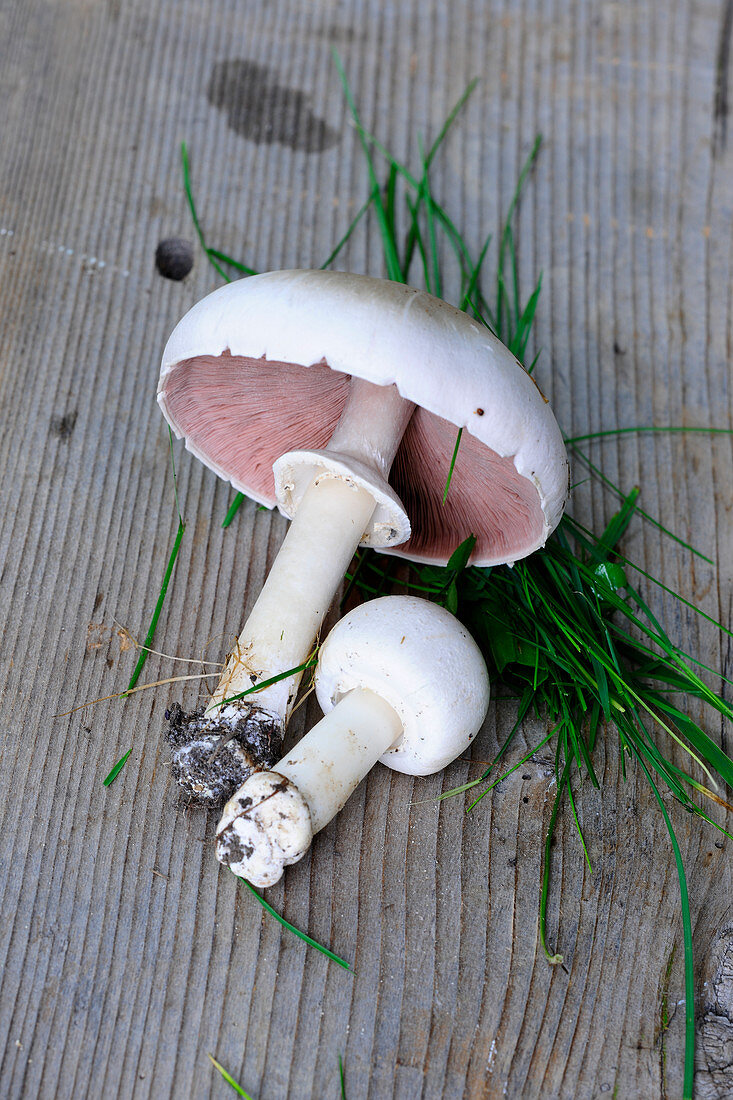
(213,756)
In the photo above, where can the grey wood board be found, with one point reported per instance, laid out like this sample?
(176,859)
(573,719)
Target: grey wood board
(126,953)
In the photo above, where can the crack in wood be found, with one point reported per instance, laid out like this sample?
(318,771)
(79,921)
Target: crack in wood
(722,60)
(714,1068)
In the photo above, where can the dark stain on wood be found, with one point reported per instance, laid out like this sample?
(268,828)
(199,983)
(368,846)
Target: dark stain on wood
(63,426)
(722,64)
(262,109)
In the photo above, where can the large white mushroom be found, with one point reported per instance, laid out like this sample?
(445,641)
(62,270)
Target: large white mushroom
(337,398)
(400,680)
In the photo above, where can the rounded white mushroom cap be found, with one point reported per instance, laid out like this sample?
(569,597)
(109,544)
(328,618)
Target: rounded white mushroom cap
(418,658)
(261,367)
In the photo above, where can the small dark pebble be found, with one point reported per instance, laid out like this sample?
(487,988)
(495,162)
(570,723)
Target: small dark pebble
(719,844)
(525,799)
(526,776)
(174,258)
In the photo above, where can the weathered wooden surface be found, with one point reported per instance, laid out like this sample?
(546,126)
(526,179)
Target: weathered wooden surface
(126,954)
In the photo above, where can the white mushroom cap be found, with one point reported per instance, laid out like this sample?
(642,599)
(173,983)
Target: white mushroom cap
(261,367)
(418,658)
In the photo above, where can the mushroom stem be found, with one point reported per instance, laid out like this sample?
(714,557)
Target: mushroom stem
(326,529)
(329,763)
(371,424)
(271,820)
(284,622)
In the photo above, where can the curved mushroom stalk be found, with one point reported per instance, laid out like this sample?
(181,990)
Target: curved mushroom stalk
(402,681)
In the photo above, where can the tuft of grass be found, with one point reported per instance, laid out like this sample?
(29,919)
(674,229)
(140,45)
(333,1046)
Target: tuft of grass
(565,631)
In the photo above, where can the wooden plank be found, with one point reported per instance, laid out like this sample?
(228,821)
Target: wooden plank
(126,955)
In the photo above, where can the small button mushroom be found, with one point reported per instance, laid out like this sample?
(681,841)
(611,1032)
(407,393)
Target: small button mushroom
(400,680)
(337,397)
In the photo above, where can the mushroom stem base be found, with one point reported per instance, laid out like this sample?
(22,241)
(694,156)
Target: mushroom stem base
(213,756)
(270,821)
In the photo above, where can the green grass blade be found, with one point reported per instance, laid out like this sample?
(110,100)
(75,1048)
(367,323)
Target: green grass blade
(214,253)
(452,465)
(158,607)
(578,829)
(175,477)
(706,747)
(596,472)
(145,648)
(390,202)
(579,530)
(619,522)
(524,326)
(394,270)
(435,282)
(192,207)
(296,931)
(509,333)
(481,779)
(233,509)
(641,428)
(471,288)
(552,957)
(344,240)
(450,119)
(109,779)
(687,938)
(310,663)
(229,1079)
(415,240)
